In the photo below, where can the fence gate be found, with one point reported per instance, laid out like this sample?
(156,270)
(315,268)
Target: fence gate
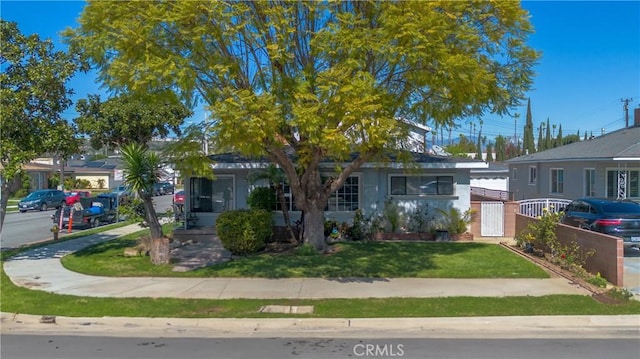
(492,219)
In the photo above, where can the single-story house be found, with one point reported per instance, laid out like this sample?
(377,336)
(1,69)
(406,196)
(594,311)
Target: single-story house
(440,181)
(606,166)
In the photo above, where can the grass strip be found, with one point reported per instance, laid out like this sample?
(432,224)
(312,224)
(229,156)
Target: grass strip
(21,300)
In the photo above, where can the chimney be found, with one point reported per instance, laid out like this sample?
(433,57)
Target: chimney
(636,117)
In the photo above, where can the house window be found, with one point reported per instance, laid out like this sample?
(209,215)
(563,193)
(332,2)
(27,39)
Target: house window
(589,182)
(346,198)
(421,185)
(632,179)
(515,174)
(557,180)
(533,174)
(212,195)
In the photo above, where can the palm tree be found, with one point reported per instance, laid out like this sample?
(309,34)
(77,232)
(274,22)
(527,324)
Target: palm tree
(141,169)
(276,178)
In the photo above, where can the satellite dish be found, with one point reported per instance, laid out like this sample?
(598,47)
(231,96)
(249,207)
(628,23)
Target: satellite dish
(439,151)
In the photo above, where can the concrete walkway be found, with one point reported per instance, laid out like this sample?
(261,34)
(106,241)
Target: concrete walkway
(41,269)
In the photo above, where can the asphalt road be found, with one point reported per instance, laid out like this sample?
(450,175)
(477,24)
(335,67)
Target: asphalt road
(72,347)
(34,226)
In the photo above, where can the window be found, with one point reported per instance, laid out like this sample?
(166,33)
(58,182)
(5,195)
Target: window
(515,174)
(212,195)
(346,198)
(631,178)
(421,185)
(557,180)
(533,174)
(589,182)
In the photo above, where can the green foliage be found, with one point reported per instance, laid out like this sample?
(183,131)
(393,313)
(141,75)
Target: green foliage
(620,293)
(128,118)
(541,235)
(358,230)
(454,221)
(262,198)
(598,281)
(141,171)
(392,215)
(329,79)
(244,232)
(33,95)
(462,148)
(101,183)
(528,144)
(421,219)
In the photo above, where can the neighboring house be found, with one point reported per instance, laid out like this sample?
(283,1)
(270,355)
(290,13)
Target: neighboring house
(39,175)
(491,182)
(606,166)
(440,181)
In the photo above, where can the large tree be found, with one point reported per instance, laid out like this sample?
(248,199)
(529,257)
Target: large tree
(33,97)
(528,142)
(128,118)
(319,80)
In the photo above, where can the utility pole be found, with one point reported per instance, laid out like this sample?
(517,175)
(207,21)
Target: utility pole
(626,110)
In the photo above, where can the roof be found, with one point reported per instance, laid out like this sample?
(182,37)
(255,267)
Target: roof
(622,144)
(233,160)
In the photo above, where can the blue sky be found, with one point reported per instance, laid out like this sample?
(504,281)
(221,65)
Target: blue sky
(590,61)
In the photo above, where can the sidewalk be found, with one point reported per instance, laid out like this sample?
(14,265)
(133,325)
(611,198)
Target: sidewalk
(40,269)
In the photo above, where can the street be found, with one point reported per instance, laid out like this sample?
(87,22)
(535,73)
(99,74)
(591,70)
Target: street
(72,347)
(34,226)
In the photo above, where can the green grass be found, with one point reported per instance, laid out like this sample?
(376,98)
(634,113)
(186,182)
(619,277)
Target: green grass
(353,259)
(14,299)
(21,300)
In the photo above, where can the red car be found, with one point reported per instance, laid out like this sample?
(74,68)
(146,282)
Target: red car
(178,197)
(73,197)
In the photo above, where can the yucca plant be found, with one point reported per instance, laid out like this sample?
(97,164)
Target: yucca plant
(141,171)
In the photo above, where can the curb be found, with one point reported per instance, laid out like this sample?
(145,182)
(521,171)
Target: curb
(619,327)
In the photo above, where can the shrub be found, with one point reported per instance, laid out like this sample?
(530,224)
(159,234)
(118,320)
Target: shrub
(454,221)
(262,198)
(244,232)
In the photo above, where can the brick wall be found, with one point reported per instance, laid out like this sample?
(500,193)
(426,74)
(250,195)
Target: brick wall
(609,257)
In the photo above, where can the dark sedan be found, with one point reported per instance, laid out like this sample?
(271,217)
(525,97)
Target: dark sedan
(617,218)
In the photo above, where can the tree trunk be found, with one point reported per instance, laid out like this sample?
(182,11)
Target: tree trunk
(159,251)
(8,187)
(314,229)
(285,215)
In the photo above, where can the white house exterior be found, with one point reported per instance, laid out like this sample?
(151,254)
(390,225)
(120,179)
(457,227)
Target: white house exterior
(440,181)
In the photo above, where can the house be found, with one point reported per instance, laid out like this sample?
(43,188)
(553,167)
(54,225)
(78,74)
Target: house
(440,181)
(38,173)
(605,166)
(491,182)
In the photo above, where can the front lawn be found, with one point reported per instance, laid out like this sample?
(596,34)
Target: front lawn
(351,259)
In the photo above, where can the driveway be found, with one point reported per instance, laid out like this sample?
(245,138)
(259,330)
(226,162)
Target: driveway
(632,270)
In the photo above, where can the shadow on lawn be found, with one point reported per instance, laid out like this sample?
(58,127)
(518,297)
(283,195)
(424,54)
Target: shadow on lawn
(60,249)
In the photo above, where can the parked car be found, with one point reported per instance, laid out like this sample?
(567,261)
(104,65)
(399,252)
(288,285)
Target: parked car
(73,197)
(167,187)
(42,200)
(122,192)
(178,197)
(614,217)
(158,190)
